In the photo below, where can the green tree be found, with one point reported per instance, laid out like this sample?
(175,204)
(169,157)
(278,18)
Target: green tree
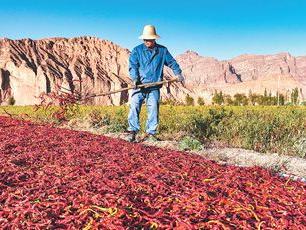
(260,100)
(228,100)
(218,98)
(281,99)
(253,98)
(201,101)
(265,93)
(240,99)
(189,100)
(295,96)
(11,101)
(267,99)
(270,99)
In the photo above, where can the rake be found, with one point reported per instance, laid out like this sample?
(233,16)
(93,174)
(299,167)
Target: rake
(146,85)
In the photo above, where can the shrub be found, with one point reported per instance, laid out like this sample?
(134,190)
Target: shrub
(170,101)
(189,143)
(261,128)
(202,126)
(98,119)
(118,122)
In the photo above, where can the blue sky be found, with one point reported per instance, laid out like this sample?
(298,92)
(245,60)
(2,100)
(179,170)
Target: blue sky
(218,28)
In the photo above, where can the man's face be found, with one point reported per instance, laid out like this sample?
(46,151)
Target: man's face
(150,43)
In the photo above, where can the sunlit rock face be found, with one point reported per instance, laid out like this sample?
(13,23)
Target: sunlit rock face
(29,68)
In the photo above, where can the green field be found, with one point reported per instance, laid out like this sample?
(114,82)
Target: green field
(261,128)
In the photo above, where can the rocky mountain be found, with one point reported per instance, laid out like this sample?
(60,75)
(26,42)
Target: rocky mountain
(280,72)
(29,68)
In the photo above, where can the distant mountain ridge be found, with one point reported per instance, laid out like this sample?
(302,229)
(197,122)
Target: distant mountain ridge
(31,67)
(280,72)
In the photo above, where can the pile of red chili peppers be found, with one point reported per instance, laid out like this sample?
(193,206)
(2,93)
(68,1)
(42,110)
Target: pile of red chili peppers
(57,178)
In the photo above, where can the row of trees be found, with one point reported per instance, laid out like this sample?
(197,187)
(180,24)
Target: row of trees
(257,99)
(219,98)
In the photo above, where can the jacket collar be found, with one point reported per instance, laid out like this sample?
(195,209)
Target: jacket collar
(148,49)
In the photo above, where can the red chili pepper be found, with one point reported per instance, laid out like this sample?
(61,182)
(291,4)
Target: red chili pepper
(49,176)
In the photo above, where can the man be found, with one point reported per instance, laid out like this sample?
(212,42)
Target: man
(146,64)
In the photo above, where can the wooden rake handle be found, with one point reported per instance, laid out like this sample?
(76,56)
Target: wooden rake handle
(147,85)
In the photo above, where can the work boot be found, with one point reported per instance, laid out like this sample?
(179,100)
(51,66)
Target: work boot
(131,137)
(150,138)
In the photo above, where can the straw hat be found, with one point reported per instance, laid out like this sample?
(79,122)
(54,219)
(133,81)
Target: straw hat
(149,32)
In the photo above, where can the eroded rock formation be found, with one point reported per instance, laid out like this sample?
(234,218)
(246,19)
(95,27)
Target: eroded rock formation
(29,68)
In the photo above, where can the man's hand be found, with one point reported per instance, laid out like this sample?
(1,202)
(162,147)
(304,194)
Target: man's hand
(181,79)
(135,84)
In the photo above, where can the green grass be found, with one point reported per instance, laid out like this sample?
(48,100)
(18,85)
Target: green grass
(261,128)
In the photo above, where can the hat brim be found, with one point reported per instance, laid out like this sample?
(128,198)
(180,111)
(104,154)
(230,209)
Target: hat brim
(144,36)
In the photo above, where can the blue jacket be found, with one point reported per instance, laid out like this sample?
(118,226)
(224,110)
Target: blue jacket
(146,65)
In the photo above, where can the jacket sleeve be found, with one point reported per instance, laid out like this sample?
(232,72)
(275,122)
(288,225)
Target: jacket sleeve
(171,62)
(134,65)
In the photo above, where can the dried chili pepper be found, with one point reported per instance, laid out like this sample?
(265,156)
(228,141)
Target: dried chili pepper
(59,178)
